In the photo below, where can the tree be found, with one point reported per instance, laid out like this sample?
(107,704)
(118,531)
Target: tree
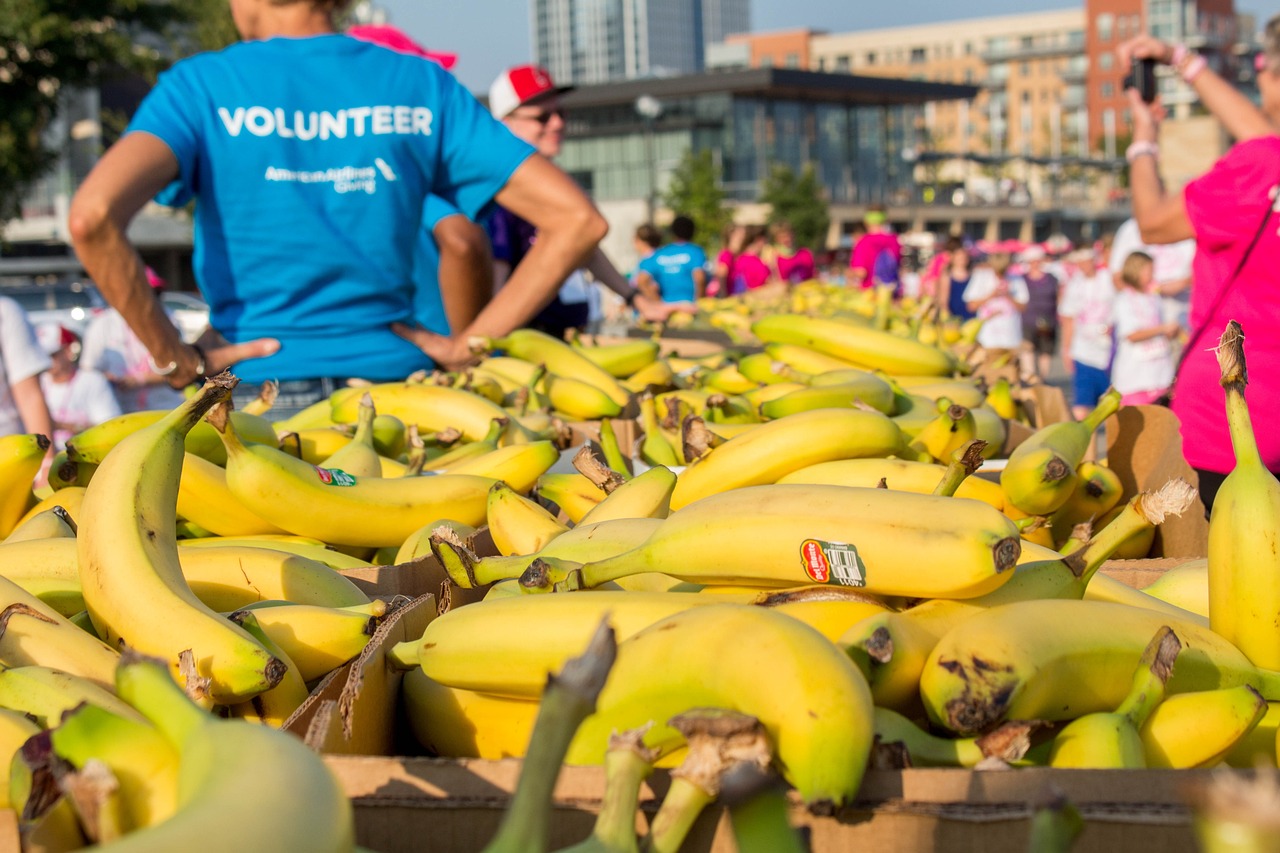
(799,202)
(694,190)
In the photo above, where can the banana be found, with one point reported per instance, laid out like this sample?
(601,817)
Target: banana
(372,512)
(1199,729)
(655,449)
(1244,528)
(899,475)
(869,391)
(561,360)
(302,546)
(1137,546)
(52,523)
(431,408)
(318,640)
(615,456)
(772,450)
(517,524)
(860,345)
(69,499)
(1185,586)
(721,408)
(92,445)
(486,646)
(583,543)
(1007,743)
(141,759)
(579,400)
(1019,662)
(1111,740)
(275,706)
(20,459)
(266,398)
(726,380)
(453,723)
(1000,398)
(315,445)
(517,465)
(891,543)
(358,457)
(129,571)
(1041,473)
(315,416)
(31,636)
(46,694)
(815,704)
(805,361)
(1103,588)
(944,435)
(465,451)
(418,544)
(289,800)
(657,376)
(203,497)
(830,615)
(647,495)
(574,494)
(1098,490)
(765,393)
(1259,745)
(624,358)
(762,369)
(961,392)
(15,729)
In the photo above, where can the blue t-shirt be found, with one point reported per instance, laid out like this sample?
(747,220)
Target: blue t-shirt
(672,266)
(428,303)
(311,185)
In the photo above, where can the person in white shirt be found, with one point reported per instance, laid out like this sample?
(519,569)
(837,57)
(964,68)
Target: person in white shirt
(998,300)
(77,398)
(111,348)
(1172,268)
(1144,367)
(22,406)
(1085,317)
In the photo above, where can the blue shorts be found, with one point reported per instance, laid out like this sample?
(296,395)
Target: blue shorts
(1089,384)
(293,395)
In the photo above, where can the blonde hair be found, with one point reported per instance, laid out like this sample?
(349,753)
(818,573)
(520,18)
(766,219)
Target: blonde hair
(1131,271)
(1271,43)
(999,263)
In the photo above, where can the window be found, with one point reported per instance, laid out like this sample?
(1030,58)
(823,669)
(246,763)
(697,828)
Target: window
(968,75)
(766,61)
(968,48)
(1024,68)
(822,63)
(793,60)
(842,63)
(918,55)
(1107,90)
(1106,61)
(871,57)
(1106,22)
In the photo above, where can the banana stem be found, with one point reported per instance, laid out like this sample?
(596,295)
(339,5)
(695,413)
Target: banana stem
(1107,406)
(626,765)
(1146,510)
(1234,379)
(147,684)
(1054,826)
(569,699)
(758,809)
(685,800)
(1154,669)
(613,455)
(364,421)
(964,462)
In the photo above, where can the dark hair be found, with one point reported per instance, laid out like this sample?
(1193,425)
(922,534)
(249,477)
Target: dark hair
(682,228)
(649,235)
(754,233)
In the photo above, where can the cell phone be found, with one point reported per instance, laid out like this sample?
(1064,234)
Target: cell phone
(1142,76)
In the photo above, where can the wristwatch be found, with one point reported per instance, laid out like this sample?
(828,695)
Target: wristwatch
(630,298)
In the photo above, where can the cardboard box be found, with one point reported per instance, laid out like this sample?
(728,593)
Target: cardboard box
(423,576)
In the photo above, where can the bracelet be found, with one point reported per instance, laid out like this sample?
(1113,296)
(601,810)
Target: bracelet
(157,369)
(200,377)
(1141,149)
(1193,67)
(630,298)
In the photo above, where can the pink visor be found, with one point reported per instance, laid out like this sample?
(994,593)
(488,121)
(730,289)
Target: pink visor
(396,39)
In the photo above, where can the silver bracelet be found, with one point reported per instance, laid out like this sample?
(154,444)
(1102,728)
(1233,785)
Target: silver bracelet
(158,370)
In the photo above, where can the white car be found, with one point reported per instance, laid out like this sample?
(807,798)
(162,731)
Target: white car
(190,313)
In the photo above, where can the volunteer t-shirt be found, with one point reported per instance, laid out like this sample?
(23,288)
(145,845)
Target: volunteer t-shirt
(1145,365)
(1001,319)
(20,358)
(310,185)
(672,267)
(1226,207)
(1087,300)
(80,402)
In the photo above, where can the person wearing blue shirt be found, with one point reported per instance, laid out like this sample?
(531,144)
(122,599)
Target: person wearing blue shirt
(678,269)
(309,187)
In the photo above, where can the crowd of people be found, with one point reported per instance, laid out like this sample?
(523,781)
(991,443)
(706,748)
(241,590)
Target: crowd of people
(402,226)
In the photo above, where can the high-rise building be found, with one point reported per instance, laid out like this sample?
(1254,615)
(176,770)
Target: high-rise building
(598,41)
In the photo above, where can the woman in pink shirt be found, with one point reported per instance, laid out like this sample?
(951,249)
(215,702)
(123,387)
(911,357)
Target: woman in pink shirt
(792,264)
(1228,212)
(749,269)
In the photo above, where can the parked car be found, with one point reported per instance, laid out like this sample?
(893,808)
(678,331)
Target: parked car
(68,302)
(189,311)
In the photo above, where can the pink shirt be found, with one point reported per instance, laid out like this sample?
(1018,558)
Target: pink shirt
(868,248)
(1225,207)
(796,268)
(749,272)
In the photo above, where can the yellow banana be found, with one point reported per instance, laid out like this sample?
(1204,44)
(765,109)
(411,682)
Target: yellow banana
(655,449)
(313,416)
(578,400)
(1111,740)
(1098,489)
(1258,747)
(657,376)
(944,435)
(35,637)
(432,408)
(726,380)
(1199,729)
(772,450)
(647,495)
(275,706)
(1020,662)
(302,546)
(92,445)
(315,445)
(870,391)
(418,543)
(318,639)
(15,729)
(899,475)
(561,360)
(574,494)
(1104,588)
(758,397)
(1137,546)
(52,523)
(806,361)
(1244,528)
(465,451)
(517,465)
(129,571)
(1185,586)
(312,501)
(20,458)
(358,457)
(1041,473)
(69,499)
(960,392)
(1000,398)
(624,358)
(289,798)
(517,524)
(862,346)
(829,615)
(891,543)
(453,723)
(203,497)
(1008,743)
(762,369)
(814,705)
(46,694)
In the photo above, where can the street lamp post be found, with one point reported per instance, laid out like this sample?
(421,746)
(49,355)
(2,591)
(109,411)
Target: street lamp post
(649,108)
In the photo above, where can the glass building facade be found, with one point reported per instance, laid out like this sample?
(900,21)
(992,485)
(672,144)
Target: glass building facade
(861,150)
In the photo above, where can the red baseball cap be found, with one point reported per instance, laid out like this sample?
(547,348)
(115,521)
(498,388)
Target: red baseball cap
(396,39)
(523,84)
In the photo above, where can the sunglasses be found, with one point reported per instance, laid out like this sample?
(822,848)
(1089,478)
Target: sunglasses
(542,116)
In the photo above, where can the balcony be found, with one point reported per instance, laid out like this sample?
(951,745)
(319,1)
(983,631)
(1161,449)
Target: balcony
(1070,46)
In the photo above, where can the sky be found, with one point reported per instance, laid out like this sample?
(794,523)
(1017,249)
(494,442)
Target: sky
(489,35)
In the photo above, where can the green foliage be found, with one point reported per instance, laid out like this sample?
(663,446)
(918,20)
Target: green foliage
(48,47)
(797,200)
(694,190)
